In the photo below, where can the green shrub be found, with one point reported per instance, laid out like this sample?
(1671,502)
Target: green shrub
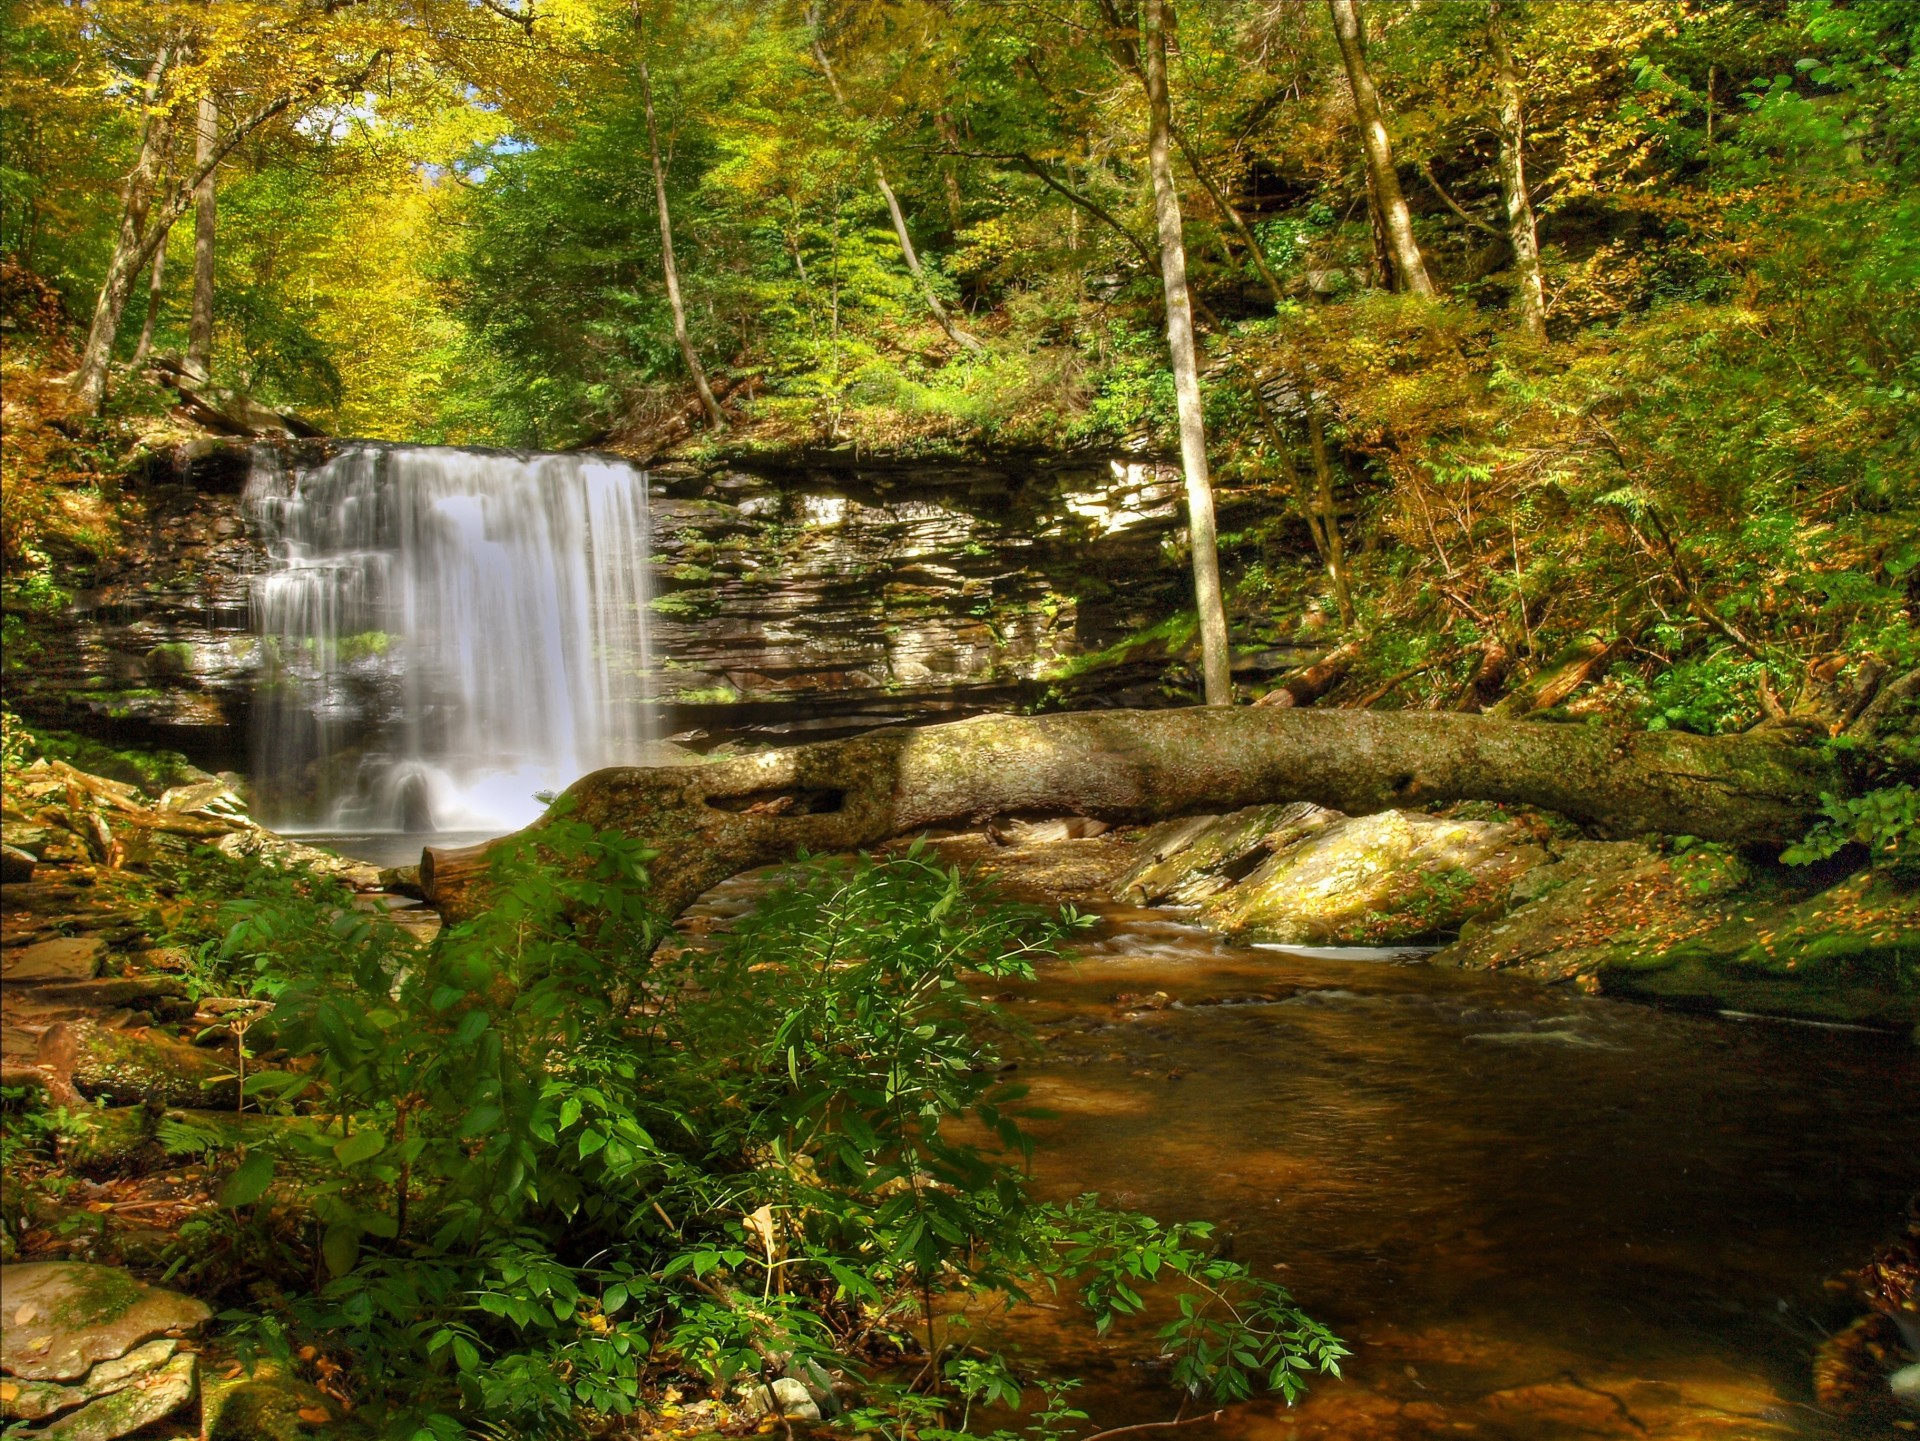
(558,1165)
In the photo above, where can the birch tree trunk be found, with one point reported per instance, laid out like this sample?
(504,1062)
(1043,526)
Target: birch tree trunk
(1521,231)
(1409,269)
(1207,597)
(667,265)
(907,253)
(129,254)
(200,331)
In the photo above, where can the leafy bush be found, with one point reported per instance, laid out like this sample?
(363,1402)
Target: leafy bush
(1886,822)
(552,1165)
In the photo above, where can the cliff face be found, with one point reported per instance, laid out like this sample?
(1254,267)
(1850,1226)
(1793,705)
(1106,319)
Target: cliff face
(796,595)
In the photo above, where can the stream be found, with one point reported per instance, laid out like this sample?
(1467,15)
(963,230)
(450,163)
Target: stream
(1531,1214)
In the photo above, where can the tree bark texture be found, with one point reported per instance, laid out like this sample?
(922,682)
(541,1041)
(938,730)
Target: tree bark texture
(1409,269)
(1521,231)
(156,294)
(1204,541)
(200,328)
(130,252)
(145,225)
(712,821)
(715,416)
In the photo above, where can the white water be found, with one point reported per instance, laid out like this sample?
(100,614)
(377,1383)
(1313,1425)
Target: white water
(448,633)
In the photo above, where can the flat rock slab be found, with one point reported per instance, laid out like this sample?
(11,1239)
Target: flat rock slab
(71,959)
(59,1319)
(151,1398)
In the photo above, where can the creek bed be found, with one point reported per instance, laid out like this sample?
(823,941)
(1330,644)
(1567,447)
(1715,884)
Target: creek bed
(1531,1214)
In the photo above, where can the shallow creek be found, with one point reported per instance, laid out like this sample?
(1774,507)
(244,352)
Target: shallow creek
(1531,1214)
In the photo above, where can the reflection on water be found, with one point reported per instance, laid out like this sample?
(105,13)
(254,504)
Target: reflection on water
(1531,1214)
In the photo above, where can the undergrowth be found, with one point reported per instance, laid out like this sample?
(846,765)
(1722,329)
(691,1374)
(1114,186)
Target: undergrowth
(550,1165)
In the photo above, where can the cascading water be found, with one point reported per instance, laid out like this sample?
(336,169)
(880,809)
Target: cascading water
(447,634)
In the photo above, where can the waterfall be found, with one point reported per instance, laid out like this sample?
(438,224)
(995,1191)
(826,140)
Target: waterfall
(446,634)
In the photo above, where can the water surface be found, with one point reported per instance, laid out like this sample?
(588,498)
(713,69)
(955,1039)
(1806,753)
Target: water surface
(1532,1214)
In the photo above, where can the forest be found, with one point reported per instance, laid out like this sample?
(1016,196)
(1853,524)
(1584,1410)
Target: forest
(1365,474)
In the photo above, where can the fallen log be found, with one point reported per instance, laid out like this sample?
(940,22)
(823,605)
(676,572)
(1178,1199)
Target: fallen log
(710,822)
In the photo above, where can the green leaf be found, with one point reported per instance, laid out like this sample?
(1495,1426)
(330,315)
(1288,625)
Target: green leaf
(249,1181)
(340,1248)
(363,1145)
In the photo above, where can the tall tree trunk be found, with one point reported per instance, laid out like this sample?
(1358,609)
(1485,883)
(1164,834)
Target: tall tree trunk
(907,253)
(129,255)
(667,266)
(1329,516)
(1409,269)
(200,331)
(1207,597)
(1513,176)
(156,291)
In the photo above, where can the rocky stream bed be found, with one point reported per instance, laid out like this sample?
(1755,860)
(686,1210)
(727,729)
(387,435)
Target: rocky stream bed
(108,1021)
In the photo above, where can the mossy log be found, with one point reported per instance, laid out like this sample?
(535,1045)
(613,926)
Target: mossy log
(709,822)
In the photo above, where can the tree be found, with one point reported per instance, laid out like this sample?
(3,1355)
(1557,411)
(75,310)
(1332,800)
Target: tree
(1511,126)
(1409,269)
(1204,542)
(898,216)
(200,334)
(668,268)
(714,821)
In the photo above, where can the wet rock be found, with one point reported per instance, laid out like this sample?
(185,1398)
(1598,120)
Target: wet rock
(60,1319)
(68,959)
(1703,929)
(1302,875)
(786,1397)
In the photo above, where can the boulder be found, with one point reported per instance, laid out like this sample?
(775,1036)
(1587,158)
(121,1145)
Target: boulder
(136,1064)
(786,1397)
(291,855)
(1368,880)
(264,1404)
(61,1319)
(1303,875)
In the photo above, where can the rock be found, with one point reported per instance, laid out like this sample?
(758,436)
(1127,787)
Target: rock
(210,799)
(291,855)
(73,959)
(149,1398)
(136,1065)
(1703,929)
(34,1400)
(16,865)
(1188,860)
(1303,875)
(786,1396)
(1905,1385)
(60,1319)
(266,1404)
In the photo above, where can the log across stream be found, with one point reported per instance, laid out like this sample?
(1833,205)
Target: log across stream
(711,821)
